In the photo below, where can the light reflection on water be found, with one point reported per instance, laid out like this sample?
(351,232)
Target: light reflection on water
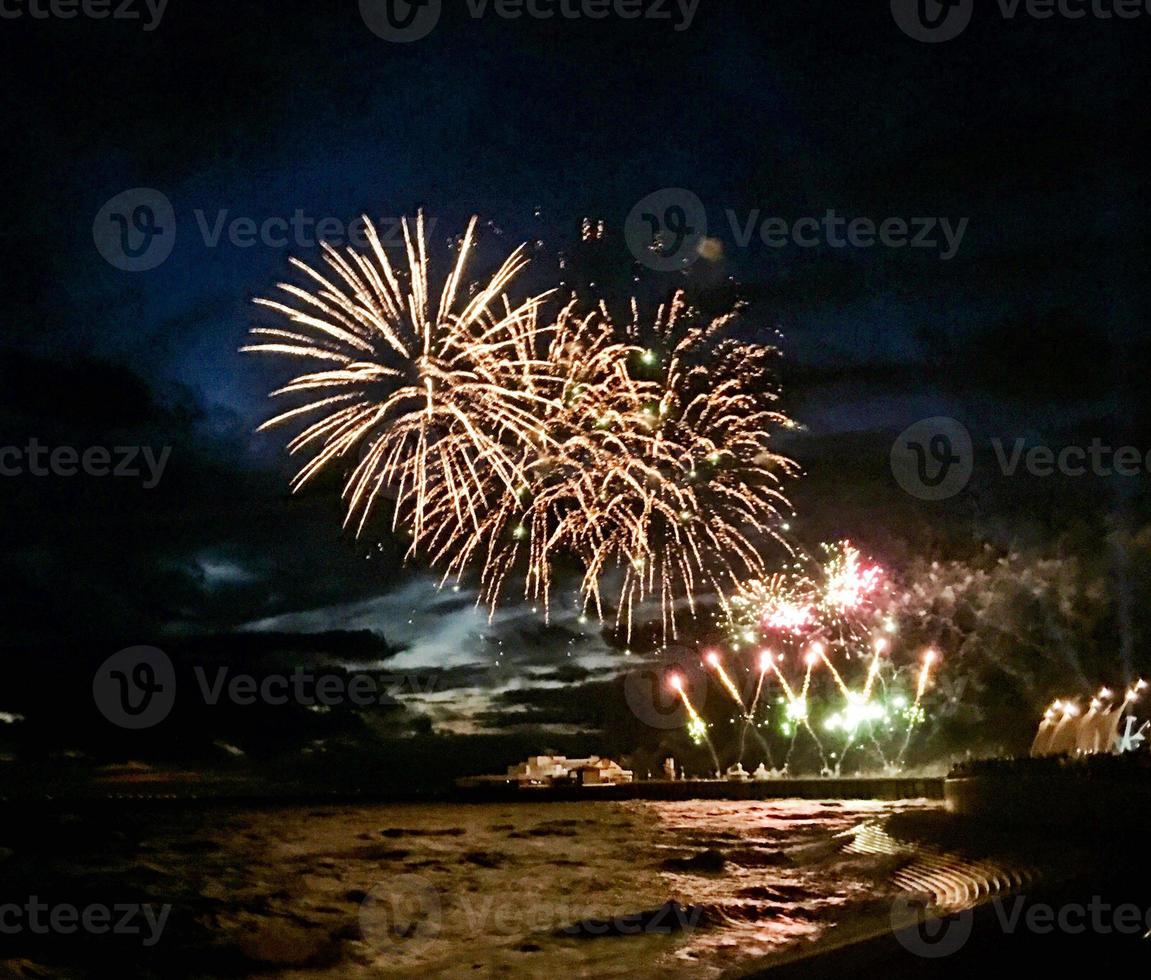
(483,889)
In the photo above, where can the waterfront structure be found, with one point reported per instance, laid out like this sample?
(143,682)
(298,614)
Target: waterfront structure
(548,770)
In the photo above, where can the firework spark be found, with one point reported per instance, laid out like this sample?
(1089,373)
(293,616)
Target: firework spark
(832,617)
(657,476)
(780,605)
(850,581)
(510,441)
(417,396)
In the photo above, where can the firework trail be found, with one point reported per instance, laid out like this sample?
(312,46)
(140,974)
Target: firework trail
(697,727)
(713,660)
(833,620)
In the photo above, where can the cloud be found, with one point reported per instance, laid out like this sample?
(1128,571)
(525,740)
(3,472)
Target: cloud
(470,659)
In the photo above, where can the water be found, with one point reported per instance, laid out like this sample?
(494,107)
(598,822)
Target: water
(474,890)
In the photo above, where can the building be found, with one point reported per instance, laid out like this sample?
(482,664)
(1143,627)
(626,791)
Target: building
(602,772)
(541,769)
(547,770)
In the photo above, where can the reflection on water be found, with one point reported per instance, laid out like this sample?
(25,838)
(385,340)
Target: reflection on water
(475,890)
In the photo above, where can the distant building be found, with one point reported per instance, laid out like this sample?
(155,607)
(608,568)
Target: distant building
(602,772)
(546,770)
(538,769)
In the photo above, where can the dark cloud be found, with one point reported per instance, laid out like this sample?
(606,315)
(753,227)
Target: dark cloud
(214,543)
(1036,328)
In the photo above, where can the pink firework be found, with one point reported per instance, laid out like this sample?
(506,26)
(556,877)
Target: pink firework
(850,581)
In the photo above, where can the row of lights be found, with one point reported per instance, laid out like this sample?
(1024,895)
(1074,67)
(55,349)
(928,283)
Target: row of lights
(815,653)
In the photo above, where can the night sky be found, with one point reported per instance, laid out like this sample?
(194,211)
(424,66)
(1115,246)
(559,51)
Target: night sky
(1030,132)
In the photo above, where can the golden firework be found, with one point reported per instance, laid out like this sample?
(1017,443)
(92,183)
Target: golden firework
(418,396)
(658,475)
(510,441)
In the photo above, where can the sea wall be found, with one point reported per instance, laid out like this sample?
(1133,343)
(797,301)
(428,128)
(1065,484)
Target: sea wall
(878,788)
(1069,800)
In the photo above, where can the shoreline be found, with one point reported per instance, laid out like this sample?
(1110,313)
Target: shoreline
(254,794)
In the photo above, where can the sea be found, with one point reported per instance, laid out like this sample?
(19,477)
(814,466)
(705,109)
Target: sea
(587,889)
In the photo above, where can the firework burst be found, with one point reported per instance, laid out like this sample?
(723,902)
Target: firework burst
(658,475)
(417,396)
(703,451)
(510,441)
